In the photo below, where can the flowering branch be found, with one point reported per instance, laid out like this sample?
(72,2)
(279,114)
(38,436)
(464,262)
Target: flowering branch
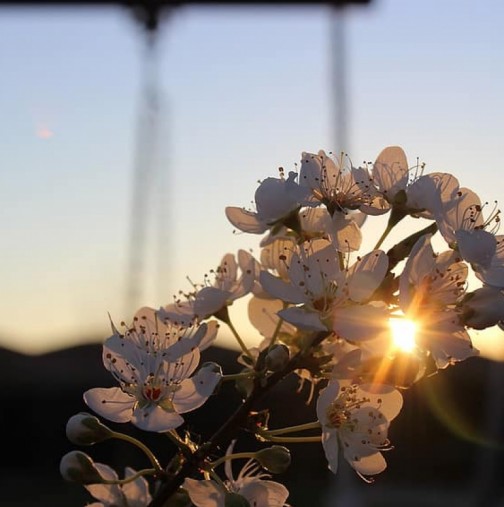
(359,327)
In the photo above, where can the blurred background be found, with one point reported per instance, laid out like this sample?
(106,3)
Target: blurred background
(121,147)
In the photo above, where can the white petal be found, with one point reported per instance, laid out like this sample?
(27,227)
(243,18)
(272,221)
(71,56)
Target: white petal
(210,334)
(387,399)
(476,246)
(195,391)
(262,493)
(303,319)
(420,263)
(362,322)
(345,233)
(262,314)
(310,174)
(186,346)
(390,170)
(430,192)
(493,276)
(154,418)
(204,493)
(365,276)
(315,220)
(108,494)
(245,221)
(370,465)
(460,212)
(275,198)
(280,289)
(137,491)
(210,300)
(111,403)
(181,313)
(330,444)
(325,398)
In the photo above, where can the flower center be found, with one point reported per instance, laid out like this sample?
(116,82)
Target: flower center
(339,412)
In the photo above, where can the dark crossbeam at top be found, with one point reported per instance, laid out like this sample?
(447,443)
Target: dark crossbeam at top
(148,11)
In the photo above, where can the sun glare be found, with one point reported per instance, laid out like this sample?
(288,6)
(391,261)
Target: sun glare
(403,334)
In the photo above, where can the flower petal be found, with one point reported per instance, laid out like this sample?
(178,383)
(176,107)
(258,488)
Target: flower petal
(111,403)
(245,221)
(303,319)
(195,391)
(362,322)
(152,417)
(262,493)
(390,171)
(370,465)
(365,275)
(204,493)
(282,290)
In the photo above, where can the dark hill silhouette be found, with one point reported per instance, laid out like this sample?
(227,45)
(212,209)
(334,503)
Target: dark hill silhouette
(438,436)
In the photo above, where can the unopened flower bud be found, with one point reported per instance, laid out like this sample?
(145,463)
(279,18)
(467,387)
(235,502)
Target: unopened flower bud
(274,459)
(277,358)
(77,466)
(235,500)
(86,429)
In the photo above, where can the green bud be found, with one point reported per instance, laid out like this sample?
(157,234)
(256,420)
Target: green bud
(86,429)
(275,459)
(76,466)
(277,358)
(235,500)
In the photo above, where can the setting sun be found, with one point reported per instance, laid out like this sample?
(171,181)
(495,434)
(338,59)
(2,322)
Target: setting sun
(403,334)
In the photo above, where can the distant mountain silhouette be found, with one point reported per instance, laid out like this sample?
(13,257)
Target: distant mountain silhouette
(441,437)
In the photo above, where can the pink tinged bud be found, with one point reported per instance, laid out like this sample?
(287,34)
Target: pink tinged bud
(77,466)
(275,459)
(86,429)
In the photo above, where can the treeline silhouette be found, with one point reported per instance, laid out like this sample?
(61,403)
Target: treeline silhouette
(442,437)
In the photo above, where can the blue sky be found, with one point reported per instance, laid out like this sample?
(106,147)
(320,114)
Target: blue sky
(243,91)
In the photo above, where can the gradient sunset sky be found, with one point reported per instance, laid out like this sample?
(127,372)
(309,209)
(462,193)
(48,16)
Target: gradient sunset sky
(243,91)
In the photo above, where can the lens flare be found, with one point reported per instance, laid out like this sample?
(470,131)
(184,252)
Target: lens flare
(403,334)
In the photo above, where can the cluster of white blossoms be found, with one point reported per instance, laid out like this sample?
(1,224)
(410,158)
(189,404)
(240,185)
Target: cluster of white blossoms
(323,309)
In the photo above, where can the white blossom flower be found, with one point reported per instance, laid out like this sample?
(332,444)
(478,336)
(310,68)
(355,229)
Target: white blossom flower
(324,297)
(463,226)
(251,484)
(231,280)
(355,421)
(158,335)
(408,189)
(155,380)
(353,316)
(341,228)
(338,187)
(428,194)
(275,199)
(131,494)
(313,273)
(430,288)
